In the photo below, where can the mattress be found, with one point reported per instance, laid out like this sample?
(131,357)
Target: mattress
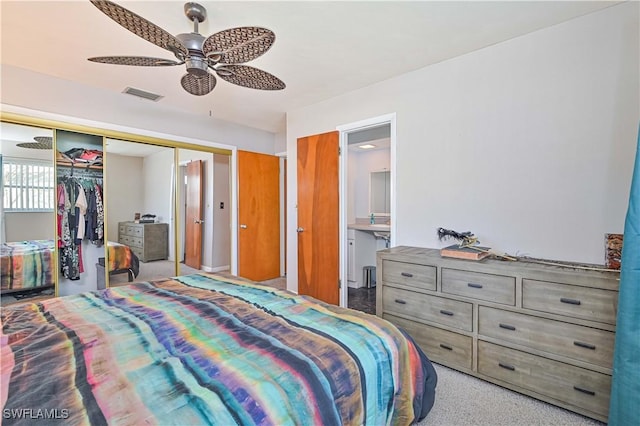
(209,349)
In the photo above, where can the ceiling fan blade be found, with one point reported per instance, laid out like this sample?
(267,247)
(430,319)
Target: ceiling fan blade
(250,77)
(41,142)
(238,45)
(141,27)
(198,85)
(140,61)
(44,139)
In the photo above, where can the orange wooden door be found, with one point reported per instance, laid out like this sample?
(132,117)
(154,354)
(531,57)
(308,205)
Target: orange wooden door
(193,216)
(318,217)
(258,216)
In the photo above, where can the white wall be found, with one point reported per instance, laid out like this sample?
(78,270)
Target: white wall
(528,143)
(158,189)
(20,226)
(28,89)
(221,216)
(124,190)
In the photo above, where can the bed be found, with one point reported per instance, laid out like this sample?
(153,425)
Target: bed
(209,349)
(26,265)
(122,260)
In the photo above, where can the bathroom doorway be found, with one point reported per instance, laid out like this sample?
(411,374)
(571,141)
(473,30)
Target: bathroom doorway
(367,206)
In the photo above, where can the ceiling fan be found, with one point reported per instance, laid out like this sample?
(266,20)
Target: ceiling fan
(41,142)
(220,52)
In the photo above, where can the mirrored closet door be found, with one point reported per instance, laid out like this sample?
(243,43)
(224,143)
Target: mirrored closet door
(140,208)
(27,213)
(203,216)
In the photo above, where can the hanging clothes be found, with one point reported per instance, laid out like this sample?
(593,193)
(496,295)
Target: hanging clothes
(78,220)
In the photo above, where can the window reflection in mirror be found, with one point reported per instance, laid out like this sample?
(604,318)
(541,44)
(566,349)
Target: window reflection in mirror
(204,218)
(27,215)
(140,199)
(380,192)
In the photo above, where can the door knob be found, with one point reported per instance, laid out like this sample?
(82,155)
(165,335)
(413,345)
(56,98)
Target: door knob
(299,229)
(243,226)
(199,221)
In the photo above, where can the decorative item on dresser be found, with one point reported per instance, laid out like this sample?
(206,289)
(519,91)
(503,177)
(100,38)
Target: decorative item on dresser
(149,241)
(544,331)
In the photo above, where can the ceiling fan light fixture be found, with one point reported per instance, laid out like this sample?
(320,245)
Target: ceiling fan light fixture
(198,86)
(197,66)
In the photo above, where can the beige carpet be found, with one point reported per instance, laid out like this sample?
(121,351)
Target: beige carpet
(152,270)
(462,400)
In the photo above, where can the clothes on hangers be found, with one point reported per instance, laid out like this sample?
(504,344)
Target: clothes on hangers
(78,220)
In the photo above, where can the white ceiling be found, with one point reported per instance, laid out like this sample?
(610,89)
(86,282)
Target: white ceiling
(322,49)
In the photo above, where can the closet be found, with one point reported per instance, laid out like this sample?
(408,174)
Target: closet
(102,180)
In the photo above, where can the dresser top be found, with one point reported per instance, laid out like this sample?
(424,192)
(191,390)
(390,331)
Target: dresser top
(497,266)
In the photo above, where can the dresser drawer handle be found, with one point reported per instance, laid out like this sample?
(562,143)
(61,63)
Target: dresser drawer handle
(406,274)
(443,312)
(400,301)
(585,345)
(473,285)
(507,366)
(587,391)
(507,327)
(447,347)
(570,301)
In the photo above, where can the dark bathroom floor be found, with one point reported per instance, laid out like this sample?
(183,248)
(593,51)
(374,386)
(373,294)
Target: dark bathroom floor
(362,299)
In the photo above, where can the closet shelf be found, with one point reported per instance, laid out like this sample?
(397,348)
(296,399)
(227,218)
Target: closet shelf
(67,163)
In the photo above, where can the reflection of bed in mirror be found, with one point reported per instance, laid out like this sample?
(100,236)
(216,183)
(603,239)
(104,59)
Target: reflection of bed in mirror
(29,265)
(26,265)
(121,260)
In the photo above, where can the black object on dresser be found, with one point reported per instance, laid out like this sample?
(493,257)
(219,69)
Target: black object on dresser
(545,331)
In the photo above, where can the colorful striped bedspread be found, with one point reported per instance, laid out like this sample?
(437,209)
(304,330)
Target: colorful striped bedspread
(121,257)
(26,264)
(206,349)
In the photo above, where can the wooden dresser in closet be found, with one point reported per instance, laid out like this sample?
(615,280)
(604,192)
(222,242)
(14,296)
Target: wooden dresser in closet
(149,241)
(545,331)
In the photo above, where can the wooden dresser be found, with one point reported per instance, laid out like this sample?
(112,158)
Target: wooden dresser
(545,331)
(149,241)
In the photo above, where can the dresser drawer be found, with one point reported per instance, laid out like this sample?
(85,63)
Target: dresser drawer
(490,287)
(122,229)
(573,385)
(411,274)
(431,308)
(575,301)
(136,242)
(575,341)
(442,346)
(131,241)
(138,252)
(136,231)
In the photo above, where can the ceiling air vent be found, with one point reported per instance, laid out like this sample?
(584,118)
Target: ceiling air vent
(142,94)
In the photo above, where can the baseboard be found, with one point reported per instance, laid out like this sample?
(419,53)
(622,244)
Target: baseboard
(216,269)
(354,284)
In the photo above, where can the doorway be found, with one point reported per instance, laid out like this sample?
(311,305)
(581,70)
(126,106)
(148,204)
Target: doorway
(368,156)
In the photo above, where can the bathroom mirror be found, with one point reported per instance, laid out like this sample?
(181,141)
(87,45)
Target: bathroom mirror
(380,192)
